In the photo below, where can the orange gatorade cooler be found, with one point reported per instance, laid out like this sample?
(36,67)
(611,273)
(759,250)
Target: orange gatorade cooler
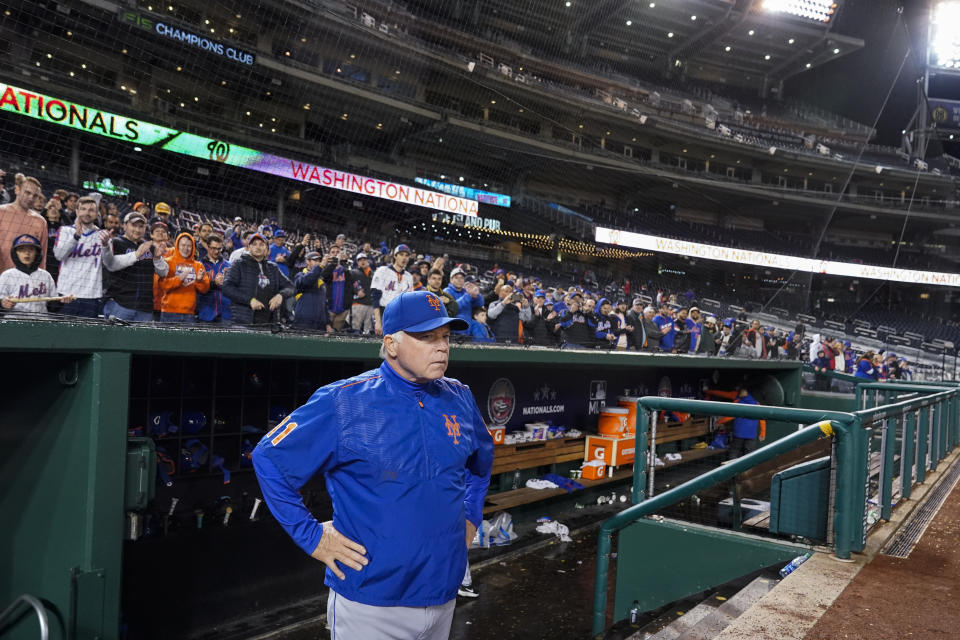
(613,422)
(630,404)
(497,433)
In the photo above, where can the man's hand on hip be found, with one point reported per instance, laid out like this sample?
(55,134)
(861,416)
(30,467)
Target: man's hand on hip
(335,547)
(471,533)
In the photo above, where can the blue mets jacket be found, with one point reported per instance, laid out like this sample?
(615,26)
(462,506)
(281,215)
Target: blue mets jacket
(406,465)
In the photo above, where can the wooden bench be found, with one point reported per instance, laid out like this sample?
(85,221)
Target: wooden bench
(511,457)
(525,495)
(690,428)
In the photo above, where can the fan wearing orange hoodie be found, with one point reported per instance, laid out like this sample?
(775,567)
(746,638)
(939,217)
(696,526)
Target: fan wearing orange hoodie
(184,280)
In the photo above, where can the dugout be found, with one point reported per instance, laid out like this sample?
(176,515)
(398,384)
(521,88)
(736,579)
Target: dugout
(72,391)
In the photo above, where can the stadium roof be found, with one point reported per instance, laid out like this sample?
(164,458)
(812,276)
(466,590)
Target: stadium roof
(735,42)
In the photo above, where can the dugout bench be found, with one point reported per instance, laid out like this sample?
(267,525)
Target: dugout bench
(563,454)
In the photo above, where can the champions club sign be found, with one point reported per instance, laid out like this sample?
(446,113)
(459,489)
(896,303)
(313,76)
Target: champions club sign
(187,37)
(103,123)
(773,260)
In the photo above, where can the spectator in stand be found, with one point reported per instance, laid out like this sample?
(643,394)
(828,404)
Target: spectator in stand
(279,253)
(682,332)
(794,343)
(160,235)
(891,366)
(26,279)
(242,249)
(434,282)
(185,279)
(161,213)
(724,339)
(878,367)
(708,339)
(626,329)
(111,223)
(235,239)
(906,373)
(299,251)
(6,196)
(206,230)
(865,368)
(213,307)
(541,329)
(479,330)
(18,218)
(79,249)
(340,279)
(849,357)
(634,317)
(388,282)
(508,314)
(821,365)
(68,214)
(652,332)
(695,328)
(132,263)
(52,212)
(607,328)
(255,286)
(466,294)
(664,320)
(310,311)
(577,326)
(361,313)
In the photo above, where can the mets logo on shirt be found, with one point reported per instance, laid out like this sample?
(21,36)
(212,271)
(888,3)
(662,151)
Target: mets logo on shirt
(434,302)
(453,427)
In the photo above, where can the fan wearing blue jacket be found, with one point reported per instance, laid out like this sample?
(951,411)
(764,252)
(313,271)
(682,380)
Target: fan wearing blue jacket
(406,458)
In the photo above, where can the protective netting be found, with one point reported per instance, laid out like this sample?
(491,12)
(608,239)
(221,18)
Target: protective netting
(527,137)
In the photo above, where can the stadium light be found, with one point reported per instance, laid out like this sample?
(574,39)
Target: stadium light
(945,39)
(817,10)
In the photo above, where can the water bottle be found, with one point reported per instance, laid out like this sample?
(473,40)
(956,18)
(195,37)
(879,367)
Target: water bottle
(635,613)
(793,564)
(516,479)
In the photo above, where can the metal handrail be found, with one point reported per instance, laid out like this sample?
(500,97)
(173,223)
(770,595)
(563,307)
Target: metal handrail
(851,440)
(37,607)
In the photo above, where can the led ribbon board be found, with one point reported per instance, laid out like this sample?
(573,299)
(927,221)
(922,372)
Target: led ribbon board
(487,197)
(110,125)
(773,260)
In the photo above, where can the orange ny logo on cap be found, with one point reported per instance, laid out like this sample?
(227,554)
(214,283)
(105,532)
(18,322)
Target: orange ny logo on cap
(435,303)
(453,428)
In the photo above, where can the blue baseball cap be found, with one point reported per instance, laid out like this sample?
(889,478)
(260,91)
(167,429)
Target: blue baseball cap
(26,240)
(415,311)
(401,248)
(539,294)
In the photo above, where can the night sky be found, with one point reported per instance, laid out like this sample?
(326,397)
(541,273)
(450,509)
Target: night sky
(855,86)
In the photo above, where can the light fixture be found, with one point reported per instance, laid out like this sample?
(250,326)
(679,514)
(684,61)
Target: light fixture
(791,41)
(815,10)
(567,3)
(670,34)
(766,57)
(727,48)
(653,5)
(836,51)
(751,32)
(944,44)
(694,18)
(809,65)
(629,22)
(344,116)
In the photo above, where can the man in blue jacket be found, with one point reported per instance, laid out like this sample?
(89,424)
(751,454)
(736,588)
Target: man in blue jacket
(406,458)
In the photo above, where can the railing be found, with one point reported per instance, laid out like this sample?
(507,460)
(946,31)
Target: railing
(924,419)
(7,615)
